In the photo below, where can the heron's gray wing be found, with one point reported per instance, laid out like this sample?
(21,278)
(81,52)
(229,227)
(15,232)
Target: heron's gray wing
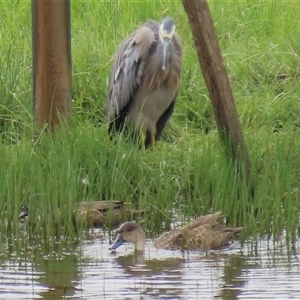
(127,70)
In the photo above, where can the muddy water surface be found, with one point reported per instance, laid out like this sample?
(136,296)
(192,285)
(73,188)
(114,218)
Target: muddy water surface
(94,272)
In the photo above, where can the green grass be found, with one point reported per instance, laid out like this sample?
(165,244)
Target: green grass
(187,174)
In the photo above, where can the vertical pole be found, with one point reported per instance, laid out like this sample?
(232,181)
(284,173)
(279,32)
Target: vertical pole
(217,82)
(51,49)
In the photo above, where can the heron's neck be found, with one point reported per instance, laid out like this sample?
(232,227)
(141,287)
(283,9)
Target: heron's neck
(159,62)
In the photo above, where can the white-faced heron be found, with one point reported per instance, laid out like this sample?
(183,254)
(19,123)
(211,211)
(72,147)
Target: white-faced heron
(145,79)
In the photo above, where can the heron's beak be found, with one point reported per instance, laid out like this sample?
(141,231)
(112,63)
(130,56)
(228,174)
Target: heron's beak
(119,241)
(166,44)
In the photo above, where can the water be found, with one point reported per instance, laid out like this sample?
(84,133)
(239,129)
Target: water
(93,272)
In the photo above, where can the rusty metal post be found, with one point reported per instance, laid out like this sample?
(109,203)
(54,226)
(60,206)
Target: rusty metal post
(51,48)
(217,82)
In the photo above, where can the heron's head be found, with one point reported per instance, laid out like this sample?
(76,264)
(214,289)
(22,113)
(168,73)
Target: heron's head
(129,232)
(166,33)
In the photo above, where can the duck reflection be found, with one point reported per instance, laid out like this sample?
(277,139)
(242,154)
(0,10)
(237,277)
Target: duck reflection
(135,264)
(233,282)
(156,276)
(59,275)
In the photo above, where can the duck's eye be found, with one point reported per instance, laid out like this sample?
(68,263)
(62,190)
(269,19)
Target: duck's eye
(130,228)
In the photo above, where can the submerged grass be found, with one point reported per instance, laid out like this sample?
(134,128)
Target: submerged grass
(187,174)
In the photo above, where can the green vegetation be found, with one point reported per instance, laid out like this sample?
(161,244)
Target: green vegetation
(187,174)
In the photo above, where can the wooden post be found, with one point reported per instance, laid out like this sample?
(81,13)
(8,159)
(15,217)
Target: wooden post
(217,82)
(51,47)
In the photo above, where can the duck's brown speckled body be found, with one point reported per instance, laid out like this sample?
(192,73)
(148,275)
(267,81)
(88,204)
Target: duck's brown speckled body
(97,213)
(202,233)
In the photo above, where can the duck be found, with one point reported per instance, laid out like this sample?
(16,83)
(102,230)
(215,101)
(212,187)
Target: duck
(203,233)
(23,216)
(98,213)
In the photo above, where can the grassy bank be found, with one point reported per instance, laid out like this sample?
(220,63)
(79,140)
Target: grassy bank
(187,174)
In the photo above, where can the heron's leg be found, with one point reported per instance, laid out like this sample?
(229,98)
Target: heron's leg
(152,140)
(142,139)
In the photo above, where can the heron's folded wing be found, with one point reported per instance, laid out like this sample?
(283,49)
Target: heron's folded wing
(128,69)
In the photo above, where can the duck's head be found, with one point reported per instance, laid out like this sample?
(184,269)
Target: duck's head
(130,232)
(24,213)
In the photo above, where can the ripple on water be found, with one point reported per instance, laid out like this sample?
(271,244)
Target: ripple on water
(270,273)
(19,280)
(170,274)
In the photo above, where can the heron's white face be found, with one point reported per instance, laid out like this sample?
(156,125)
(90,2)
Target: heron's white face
(166,33)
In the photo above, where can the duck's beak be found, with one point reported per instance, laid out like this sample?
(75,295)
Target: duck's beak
(119,241)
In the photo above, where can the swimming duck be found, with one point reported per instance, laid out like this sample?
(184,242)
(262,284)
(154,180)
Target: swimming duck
(96,213)
(22,217)
(23,214)
(202,233)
